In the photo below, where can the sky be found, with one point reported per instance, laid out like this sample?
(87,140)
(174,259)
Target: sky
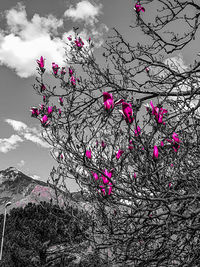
(29,29)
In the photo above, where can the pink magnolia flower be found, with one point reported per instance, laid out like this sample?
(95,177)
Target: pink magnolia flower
(139,8)
(134,175)
(50,109)
(42,107)
(162,143)
(60,111)
(147,70)
(73,80)
(155,152)
(108,100)
(170,185)
(119,153)
(41,62)
(42,88)
(44,98)
(69,37)
(175,142)
(61,101)
(79,43)
(55,68)
(108,174)
(103,144)
(63,71)
(89,39)
(127,112)
(158,113)
(45,121)
(35,112)
(137,131)
(71,71)
(88,154)
(95,176)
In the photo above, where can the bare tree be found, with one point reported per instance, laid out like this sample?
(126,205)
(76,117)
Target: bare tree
(143,171)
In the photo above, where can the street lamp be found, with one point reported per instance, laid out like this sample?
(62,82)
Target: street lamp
(4,224)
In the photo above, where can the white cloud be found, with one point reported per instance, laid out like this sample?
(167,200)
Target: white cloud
(7,144)
(28,133)
(85,11)
(17,125)
(25,41)
(177,64)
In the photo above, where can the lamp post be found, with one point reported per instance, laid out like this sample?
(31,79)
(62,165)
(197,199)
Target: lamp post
(4,224)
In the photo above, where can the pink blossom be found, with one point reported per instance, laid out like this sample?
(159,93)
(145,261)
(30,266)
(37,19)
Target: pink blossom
(170,185)
(119,153)
(162,143)
(88,154)
(103,144)
(61,101)
(108,174)
(155,152)
(69,37)
(108,100)
(63,71)
(71,71)
(139,8)
(89,39)
(175,142)
(45,121)
(79,43)
(137,131)
(44,98)
(35,112)
(127,112)
(41,62)
(42,88)
(50,109)
(134,175)
(73,81)
(60,111)
(147,70)
(42,107)
(158,113)
(95,176)
(55,68)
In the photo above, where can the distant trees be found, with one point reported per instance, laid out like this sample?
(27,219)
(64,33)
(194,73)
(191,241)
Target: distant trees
(31,230)
(138,163)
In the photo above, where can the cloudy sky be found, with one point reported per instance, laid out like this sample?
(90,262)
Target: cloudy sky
(29,29)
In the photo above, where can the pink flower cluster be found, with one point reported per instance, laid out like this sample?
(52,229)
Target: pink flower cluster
(105,181)
(126,111)
(139,8)
(158,113)
(175,141)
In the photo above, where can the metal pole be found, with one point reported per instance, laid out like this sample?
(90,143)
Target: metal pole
(4,224)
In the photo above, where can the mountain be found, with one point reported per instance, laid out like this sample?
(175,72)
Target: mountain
(20,189)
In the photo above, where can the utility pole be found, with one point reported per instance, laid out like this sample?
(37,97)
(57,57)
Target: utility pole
(4,224)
